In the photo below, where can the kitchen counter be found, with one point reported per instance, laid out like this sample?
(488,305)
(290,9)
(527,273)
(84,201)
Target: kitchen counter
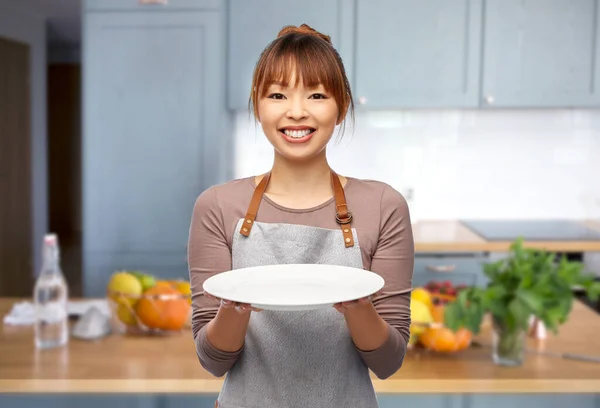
(125,364)
(453,236)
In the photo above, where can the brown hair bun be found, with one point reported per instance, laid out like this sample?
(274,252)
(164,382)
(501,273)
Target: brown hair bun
(303,29)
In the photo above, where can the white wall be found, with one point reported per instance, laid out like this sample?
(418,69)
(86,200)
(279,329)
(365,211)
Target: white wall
(475,164)
(31,29)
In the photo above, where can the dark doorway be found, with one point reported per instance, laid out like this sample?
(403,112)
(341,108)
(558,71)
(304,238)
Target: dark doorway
(16,257)
(64,166)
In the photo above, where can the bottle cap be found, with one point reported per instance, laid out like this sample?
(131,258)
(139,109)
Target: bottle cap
(50,239)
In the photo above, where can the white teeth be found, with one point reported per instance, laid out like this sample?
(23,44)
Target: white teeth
(297,133)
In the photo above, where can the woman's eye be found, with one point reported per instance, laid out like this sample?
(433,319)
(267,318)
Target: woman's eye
(318,96)
(276,96)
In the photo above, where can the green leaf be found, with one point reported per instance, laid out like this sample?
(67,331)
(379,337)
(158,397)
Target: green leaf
(552,319)
(593,291)
(452,319)
(520,312)
(493,270)
(531,300)
(462,298)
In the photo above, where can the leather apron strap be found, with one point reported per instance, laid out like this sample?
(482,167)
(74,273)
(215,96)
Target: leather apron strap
(254,204)
(342,215)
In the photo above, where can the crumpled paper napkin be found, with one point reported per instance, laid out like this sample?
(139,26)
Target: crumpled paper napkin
(23,313)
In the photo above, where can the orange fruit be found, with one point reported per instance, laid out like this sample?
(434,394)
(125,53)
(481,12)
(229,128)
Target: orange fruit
(444,340)
(437,312)
(438,339)
(165,313)
(164,283)
(463,338)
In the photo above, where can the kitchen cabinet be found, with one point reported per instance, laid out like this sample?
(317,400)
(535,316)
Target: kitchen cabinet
(253,24)
(417,54)
(402,54)
(153,135)
(527,401)
(420,400)
(112,5)
(540,53)
(458,268)
(78,401)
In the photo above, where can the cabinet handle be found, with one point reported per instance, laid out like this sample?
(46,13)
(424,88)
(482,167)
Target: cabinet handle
(441,268)
(362,100)
(489,99)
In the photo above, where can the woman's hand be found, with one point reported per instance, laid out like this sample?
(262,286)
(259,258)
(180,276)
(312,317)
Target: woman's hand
(343,307)
(241,308)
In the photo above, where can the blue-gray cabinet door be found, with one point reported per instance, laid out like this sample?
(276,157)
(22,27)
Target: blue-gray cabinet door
(78,401)
(532,400)
(253,24)
(153,109)
(540,53)
(417,54)
(167,5)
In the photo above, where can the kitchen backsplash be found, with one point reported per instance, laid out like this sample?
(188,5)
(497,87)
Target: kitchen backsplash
(453,164)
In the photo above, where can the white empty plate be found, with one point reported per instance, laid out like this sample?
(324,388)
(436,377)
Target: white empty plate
(293,286)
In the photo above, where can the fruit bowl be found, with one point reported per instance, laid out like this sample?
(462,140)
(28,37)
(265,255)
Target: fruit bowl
(427,327)
(154,308)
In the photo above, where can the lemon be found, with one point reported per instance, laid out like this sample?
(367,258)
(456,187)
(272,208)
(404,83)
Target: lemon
(126,315)
(419,312)
(422,295)
(125,288)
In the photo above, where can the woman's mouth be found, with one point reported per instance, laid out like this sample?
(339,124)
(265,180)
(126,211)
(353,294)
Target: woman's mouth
(297,135)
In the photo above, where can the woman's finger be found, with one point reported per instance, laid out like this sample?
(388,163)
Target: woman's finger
(227,303)
(339,307)
(244,307)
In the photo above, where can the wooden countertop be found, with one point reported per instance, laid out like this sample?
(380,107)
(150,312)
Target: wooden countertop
(453,236)
(118,364)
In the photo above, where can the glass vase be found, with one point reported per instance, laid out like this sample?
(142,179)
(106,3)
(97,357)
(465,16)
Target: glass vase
(508,344)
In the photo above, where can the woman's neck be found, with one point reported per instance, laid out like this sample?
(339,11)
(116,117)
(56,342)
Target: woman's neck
(300,178)
(300,184)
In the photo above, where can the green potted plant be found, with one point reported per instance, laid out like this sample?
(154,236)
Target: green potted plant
(529,282)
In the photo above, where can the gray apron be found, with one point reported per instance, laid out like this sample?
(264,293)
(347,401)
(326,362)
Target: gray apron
(297,359)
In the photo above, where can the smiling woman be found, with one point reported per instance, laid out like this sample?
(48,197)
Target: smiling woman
(301,212)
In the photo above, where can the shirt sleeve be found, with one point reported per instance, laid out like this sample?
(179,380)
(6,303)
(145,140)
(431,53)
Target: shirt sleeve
(393,259)
(208,254)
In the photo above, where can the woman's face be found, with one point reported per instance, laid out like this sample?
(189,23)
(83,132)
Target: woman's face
(298,121)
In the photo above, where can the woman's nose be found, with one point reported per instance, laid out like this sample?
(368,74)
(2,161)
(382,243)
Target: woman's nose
(296,109)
